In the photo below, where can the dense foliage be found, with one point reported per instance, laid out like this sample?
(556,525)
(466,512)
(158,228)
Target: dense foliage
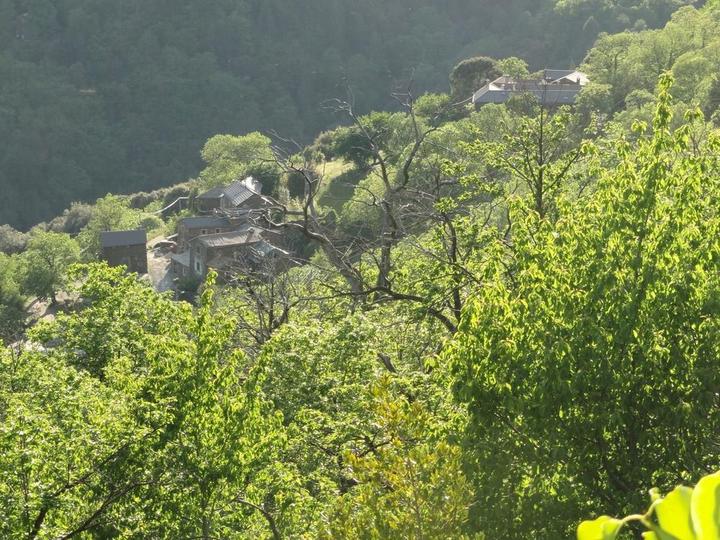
(593,342)
(97,96)
(683,514)
(504,321)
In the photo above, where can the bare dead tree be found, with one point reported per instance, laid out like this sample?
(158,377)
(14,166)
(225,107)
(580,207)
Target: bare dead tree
(413,183)
(405,206)
(264,294)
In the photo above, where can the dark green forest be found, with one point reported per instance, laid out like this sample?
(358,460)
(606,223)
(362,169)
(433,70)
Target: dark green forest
(500,322)
(99,96)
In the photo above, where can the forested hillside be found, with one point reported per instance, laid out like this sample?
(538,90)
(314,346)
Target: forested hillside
(499,323)
(99,96)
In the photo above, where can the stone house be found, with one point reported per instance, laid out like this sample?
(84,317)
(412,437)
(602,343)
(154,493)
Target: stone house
(248,248)
(556,87)
(246,193)
(125,248)
(192,227)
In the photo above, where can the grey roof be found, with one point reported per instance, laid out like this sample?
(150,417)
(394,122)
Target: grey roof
(181,258)
(264,249)
(123,238)
(557,87)
(240,191)
(555,74)
(547,94)
(249,235)
(200,222)
(237,192)
(547,97)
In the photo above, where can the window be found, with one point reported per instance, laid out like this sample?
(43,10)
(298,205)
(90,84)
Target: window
(217,231)
(197,266)
(203,231)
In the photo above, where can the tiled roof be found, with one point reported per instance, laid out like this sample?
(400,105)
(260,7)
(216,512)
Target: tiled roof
(237,192)
(559,87)
(556,74)
(199,222)
(250,235)
(123,238)
(240,191)
(264,249)
(547,94)
(181,258)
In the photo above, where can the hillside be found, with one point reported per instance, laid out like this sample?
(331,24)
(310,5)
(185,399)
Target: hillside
(491,322)
(98,97)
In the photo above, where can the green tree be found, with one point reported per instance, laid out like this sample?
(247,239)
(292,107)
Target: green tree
(223,454)
(713,102)
(210,462)
(66,447)
(12,310)
(607,63)
(411,486)
(230,157)
(11,241)
(45,263)
(537,151)
(317,375)
(470,75)
(111,213)
(587,360)
(594,101)
(513,67)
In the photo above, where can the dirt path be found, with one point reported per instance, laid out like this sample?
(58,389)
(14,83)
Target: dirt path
(160,270)
(38,310)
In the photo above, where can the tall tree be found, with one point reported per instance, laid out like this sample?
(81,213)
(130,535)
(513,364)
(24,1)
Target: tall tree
(12,311)
(46,261)
(588,360)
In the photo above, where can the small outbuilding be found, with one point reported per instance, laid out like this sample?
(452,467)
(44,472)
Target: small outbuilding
(125,248)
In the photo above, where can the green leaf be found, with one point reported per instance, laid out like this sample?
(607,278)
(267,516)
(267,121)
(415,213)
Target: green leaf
(603,528)
(658,534)
(673,513)
(705,509)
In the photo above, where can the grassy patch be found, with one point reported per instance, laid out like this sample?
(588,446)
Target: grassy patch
(339,181)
